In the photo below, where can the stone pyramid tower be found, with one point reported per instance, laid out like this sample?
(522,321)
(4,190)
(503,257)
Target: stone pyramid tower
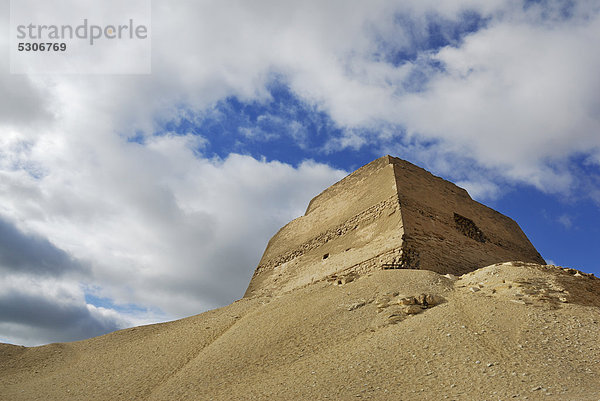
(389,214)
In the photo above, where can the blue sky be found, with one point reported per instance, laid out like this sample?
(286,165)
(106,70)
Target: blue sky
(133,199)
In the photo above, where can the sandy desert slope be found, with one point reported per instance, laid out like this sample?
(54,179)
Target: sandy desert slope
(509,331)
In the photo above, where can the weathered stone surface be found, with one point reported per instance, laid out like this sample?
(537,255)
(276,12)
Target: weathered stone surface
(407,301)
(433,300)
(413,309)
(389,214)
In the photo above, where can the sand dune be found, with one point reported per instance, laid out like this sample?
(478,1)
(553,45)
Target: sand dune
(507,331)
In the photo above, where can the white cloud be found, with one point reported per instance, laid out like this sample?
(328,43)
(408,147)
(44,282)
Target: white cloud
(480,190)
(161,226)
(566,221)
(516,96)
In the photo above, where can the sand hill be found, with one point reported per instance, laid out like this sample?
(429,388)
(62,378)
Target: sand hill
(370,327)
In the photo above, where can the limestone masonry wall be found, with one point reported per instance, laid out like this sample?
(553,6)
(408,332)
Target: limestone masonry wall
(353,220)
(361,237)
(431,207)
(388,214)
(372,213)
(334,206)
(346,185)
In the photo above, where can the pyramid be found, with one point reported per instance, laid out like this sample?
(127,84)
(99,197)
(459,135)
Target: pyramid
(389,214)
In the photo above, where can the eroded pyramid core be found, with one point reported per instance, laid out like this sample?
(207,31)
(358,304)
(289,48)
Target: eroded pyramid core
(389,214)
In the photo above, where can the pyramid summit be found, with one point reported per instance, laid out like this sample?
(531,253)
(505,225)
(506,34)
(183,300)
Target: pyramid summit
(389,214)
